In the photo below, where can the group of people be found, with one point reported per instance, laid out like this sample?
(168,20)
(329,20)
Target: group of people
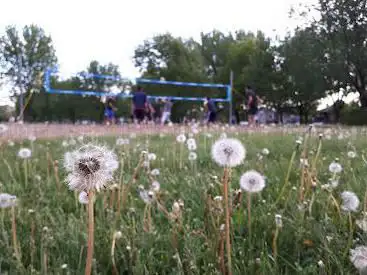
(143,110)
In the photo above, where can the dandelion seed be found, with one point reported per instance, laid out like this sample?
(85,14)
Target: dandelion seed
(228,152)
(350,201)
(7,200)
(91,167)
(155,172)
(352,154)
(265,151)
(335,168)
(181,138)
(24,153)
(252,182)
(192,156)
(358,257)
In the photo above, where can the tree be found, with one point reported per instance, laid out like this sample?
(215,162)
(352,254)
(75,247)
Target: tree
(303,65)
(23,58)
(344,24)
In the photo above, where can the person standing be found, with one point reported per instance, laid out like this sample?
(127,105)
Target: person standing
(167,108)
(139,104)
(252,104)
(211,109)
(109,112)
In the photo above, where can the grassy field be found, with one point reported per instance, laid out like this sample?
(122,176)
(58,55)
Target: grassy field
(136,236)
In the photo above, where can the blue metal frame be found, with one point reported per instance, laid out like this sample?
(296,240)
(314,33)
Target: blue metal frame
(49,72)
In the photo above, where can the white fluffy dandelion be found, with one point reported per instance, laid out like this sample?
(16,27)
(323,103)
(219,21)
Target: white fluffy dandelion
(181,138)
(192,147)
(152,156)
(252,182)
(193,156)
(122,141)
(24,153)
(265,151)
(350,201)
(7,200)
(190,141)
(352,154)
(358,257)
(65,143)
(91,167)
(83,197)
(155,172)
(335,168)
(228,152)
(156,186)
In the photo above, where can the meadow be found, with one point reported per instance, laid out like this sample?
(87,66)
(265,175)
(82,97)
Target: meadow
(164,211)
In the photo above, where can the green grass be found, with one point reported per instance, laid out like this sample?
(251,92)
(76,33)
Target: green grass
(305,239)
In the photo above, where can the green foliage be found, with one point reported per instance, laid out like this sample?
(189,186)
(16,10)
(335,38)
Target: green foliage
(309,234)
(354,115)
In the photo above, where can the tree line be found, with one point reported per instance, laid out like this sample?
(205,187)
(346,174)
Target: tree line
(328,56)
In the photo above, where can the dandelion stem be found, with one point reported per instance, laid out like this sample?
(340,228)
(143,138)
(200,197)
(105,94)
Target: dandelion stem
(249,216)
(275,247)
(88,267)
(287,177)
(350,239)
(115,270)
(227,225)
(25,164)
(14,231)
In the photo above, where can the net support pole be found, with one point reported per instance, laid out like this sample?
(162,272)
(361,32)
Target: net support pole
(230,96)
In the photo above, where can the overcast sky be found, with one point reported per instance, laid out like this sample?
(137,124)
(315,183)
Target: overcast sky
(110,30)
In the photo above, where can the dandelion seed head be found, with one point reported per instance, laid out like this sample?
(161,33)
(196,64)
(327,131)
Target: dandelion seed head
(117,235)
(24,153)
(358,257)
(152,156)
(192,156)
(90,167)
(252,182)
(265,151)
(352,154)
(181,138)
(192,147)
(156,186)
(7,200)
(350,201)
(155,172)
(278,221)
(64,266)
(228,152)
(335,167)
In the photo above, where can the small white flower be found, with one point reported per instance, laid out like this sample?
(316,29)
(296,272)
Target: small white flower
(191,141)
(7,200)
(155,186)
(64,266)
(192,156)
(358,257)
(265,151)
(122,141)
(321,264)
(335,168)
(155,172)
(303,162)
(181,138)
(350,201)
(65,143)
(38,177)
(83,197)
(352,154)
(32,138)
(24,153)
(252,182)
(228,152)
(218,198)
(152,156)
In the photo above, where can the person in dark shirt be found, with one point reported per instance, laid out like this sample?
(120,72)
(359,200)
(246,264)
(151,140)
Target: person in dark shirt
(109,112)
(252,104)
(212,110)
(140,104)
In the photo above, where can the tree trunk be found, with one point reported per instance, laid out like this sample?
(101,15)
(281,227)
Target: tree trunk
(363,98)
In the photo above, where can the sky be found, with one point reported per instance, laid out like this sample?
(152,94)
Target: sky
(110,30)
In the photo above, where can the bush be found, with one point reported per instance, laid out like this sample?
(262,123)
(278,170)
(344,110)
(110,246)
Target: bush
(354,115)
